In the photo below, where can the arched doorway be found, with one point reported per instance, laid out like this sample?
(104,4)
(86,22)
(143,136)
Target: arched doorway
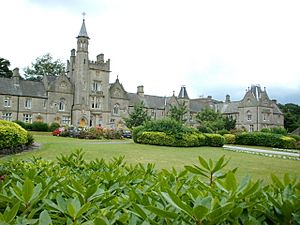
(82,122)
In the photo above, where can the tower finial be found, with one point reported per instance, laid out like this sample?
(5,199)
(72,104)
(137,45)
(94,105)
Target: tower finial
(83,15)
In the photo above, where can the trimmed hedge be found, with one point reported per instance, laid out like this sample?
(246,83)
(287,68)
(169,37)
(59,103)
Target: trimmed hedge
(12,136)
(229,138)
(265,139)
(215,140)
(156,138)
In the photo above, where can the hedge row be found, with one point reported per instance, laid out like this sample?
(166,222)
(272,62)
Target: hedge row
(38,126)
(186,140)
(264,139)
(13,137)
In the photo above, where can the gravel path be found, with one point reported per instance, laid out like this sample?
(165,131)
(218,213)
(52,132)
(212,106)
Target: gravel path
(262,151)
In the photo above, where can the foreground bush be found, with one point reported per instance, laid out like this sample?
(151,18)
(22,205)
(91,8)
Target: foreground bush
(12,137)
(265,139)
(74,191)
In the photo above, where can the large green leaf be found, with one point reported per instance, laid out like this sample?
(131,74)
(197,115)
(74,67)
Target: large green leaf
(45,218)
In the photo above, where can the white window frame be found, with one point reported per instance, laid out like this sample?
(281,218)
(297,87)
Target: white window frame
(251,128)
(27,118)
(95,102)
(96,86)
(28,103)
(66,120)
(7,116)
(7,102)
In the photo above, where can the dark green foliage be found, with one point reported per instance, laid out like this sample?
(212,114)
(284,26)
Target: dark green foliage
(74,191)
(229,123)
(4,68)
(137,117)
(178,113)
(39,126)
(215,140)
(44,65)
(53,126)
(291,116)
(265,139)
(210,119)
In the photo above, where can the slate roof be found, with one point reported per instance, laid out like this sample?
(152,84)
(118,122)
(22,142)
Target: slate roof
(150,101)
(83,32)
(25,88)
(228,107)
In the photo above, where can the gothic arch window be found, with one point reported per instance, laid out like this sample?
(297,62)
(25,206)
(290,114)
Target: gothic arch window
(61,105)
(116,109)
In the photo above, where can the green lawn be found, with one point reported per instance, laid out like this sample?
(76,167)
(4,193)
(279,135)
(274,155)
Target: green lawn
(163,157)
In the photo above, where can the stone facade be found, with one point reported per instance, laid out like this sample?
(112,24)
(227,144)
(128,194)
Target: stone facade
(84,97)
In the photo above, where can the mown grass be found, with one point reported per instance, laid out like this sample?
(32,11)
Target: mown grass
(258,167)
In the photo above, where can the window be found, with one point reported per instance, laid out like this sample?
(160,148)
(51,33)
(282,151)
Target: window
(27,118)
(27,104)
(96,86)
(7,102)
(249,116)
(116,109)
(66,120)
(251,128)
(61,105)
(95,103)
(6,116)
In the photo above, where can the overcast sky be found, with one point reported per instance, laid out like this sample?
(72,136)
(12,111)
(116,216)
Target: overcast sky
(212,47)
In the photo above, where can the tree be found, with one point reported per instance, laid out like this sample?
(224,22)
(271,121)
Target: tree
(291,114)
(178,113)
(4,68)
(44,65)
(137,117)
(229,123)
(210,120)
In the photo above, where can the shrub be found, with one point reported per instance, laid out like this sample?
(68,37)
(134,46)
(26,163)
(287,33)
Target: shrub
(275,130)
(222,132)
(39,126)
(136,132)
(214,140)
(265,139)
(156,138)
(12,136)
(21,123)
(295,136)
(229,138)
(30,139)
(53,126)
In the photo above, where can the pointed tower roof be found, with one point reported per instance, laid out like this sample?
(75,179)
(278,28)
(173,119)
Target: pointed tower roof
(82,32)
(183,93)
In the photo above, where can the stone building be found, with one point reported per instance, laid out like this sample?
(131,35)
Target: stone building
(84,97)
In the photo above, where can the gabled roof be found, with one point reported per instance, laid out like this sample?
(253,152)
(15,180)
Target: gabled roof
(24,88)
(228,108)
